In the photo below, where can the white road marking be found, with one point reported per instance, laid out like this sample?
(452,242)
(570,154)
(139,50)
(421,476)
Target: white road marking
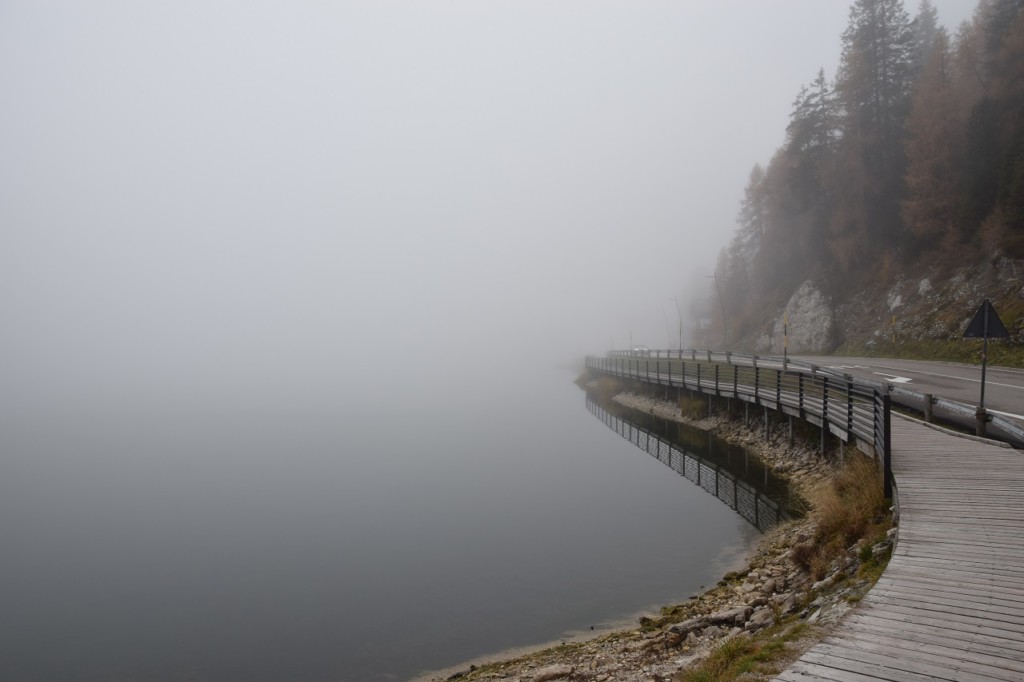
(950,376)
(895,379)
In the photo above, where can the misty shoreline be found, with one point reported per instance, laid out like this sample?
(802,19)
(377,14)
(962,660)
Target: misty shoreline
(741,560)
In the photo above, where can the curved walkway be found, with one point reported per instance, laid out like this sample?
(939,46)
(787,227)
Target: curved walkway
(950,605)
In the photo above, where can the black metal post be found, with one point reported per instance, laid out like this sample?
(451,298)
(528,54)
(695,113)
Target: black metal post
(887,447)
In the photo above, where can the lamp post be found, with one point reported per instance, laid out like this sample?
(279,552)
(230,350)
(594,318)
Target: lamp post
(721,305)
(680,314)
(668,334)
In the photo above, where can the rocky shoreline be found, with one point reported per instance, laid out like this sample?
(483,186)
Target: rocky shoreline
(773,597)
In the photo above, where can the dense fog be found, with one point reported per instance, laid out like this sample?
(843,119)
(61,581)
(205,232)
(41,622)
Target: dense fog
(267,200)
(292,296)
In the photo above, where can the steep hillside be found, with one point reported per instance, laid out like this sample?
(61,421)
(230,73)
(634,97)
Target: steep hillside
(896,204)
(921,312)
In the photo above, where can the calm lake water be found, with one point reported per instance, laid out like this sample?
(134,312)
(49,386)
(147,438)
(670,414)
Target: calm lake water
(348,542)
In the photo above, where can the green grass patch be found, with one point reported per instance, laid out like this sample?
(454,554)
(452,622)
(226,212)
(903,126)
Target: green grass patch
(1000,351)
(758,655)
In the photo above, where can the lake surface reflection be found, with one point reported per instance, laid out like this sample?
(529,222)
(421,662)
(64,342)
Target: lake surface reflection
(728,472)
(354,540)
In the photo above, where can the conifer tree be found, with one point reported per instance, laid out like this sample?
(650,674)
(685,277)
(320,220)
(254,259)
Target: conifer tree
(930,208)
(873,87)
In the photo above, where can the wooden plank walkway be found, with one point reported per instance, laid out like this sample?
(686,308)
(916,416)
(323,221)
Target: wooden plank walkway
(950,605)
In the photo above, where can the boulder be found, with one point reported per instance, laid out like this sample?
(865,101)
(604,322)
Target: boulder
(787,603)
(552,672)
(732,616)
(762,617)
(810,322)
(689,625)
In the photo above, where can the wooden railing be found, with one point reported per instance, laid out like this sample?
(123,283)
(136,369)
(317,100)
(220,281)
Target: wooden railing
(855,411)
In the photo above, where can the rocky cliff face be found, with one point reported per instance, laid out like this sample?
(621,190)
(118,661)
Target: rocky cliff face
(931,303)
(810,328)
(934,305)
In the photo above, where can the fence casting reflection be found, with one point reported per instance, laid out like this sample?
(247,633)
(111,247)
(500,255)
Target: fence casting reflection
(748,501)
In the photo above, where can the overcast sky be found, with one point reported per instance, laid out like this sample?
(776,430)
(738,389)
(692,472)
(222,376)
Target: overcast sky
(209,193)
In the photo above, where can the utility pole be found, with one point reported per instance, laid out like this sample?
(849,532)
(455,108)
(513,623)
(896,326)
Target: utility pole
(680,314)
(721,305)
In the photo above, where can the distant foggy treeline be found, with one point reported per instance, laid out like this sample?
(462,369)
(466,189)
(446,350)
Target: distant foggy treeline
(913,151)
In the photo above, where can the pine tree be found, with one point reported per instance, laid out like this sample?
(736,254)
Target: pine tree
(873,87)
(925,29)
(931,204)
(752,219)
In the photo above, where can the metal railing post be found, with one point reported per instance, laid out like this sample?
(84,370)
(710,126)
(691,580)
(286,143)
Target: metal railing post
(800,393)
(849,409)
(824,412)
(887,446)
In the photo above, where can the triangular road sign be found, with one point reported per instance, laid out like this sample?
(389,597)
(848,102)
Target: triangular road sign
(986,323)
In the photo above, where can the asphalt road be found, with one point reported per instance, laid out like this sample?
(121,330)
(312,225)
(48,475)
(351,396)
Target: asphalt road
(1004,386)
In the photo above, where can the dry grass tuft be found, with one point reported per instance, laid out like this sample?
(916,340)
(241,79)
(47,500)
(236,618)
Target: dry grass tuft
(852,504)
(693,408)
(849,507)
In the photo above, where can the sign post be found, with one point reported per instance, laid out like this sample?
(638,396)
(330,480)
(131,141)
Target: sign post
(986,324)
(785,340)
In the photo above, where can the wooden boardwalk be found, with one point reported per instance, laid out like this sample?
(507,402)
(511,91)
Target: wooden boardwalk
(950,605)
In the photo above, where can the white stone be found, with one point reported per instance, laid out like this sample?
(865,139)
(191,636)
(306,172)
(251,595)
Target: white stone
(810,322)
(552,672)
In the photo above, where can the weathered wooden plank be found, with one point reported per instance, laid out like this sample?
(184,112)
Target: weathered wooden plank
(993,564)
(950,606)
(965,619)
(945,657)
(809,672)
(927,590)
(909,622)
(931,580)
(942,601)
(925,635)
(903,559)
(1008,554)
(881,668)
(952,650)
(976,573)
(1002,539)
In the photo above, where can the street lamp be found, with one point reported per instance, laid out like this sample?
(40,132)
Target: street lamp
(721,304)
(680,314)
